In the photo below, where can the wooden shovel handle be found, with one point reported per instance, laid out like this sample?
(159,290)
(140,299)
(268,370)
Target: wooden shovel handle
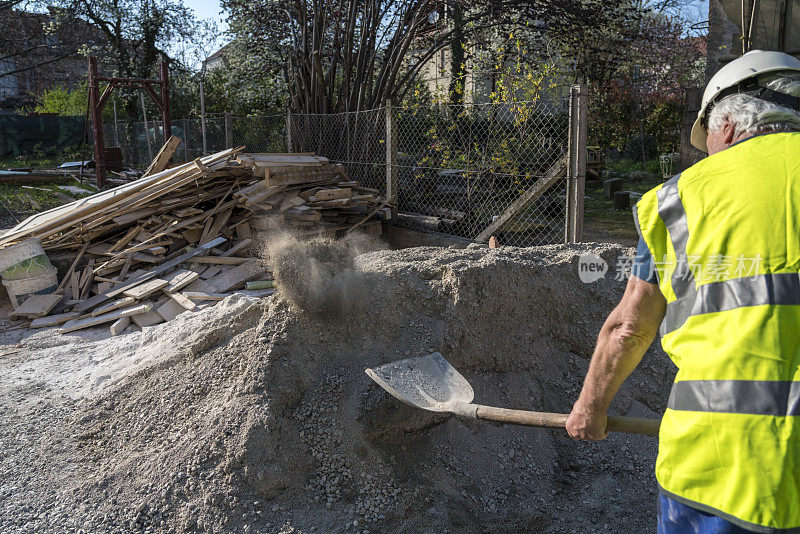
(630,425)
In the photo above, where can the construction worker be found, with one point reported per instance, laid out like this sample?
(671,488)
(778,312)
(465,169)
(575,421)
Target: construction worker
(718,268)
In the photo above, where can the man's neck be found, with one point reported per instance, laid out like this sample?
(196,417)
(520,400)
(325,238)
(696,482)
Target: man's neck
(744,136)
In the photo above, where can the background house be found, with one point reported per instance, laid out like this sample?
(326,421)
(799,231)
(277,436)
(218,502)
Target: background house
(39,51)
(216,60)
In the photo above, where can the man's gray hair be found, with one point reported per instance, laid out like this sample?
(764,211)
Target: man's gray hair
(750,115)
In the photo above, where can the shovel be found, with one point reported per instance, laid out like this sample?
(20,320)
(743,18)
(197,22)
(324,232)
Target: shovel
(431,383)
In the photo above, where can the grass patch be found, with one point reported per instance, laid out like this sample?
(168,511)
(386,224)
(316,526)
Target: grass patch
(600,215)
(25,200)
(44,161)
(626,165)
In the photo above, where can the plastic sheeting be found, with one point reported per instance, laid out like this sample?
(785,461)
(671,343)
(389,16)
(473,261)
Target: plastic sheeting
(20,134)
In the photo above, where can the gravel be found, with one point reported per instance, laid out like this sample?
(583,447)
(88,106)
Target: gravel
(257,416)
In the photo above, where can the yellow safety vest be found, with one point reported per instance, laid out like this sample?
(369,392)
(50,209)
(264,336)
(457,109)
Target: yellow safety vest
(725,239)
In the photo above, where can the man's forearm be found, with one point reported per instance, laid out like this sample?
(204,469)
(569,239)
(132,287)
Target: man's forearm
(622,342)
(619,350)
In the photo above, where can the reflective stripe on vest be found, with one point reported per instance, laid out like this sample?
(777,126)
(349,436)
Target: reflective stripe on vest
(759,290)
(672,212)
(755,397)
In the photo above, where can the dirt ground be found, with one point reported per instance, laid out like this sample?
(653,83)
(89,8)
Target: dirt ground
(257,416)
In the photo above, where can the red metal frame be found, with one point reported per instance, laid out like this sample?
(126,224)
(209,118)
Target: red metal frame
(97,101)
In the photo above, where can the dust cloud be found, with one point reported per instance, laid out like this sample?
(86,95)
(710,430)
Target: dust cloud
(318,276)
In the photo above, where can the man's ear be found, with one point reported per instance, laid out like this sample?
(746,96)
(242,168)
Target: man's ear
(727,133)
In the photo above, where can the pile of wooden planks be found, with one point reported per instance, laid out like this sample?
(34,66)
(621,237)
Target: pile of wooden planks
(180,239)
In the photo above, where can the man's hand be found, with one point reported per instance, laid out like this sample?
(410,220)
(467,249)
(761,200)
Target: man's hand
(583,423)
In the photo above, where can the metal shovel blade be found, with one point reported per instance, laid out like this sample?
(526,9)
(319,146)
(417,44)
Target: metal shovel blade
(428,382)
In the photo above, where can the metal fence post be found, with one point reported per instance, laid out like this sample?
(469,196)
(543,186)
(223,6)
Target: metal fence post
(391,156)
(576,168)
(203,113)
(186,140)
(288,130)
(116,125)
(228,130)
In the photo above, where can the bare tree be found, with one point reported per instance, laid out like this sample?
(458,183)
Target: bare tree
(346,55)
(31,41)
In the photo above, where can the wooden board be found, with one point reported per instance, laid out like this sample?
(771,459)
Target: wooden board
(183,301)
(179,279)
(291,202)
(217,225)
(79,324)
(53,320)
(263,195)
(198,285)
(331,194)
(285,158)
(67,216)
(229,279)
(243,230)
(164,156)
(304,214)
(220,260)
(111,306)
(555,173)
(237,247)
(133,216)
(211,272)
(119,325)
(202,295)
(147,319)
(169,310)
(294,176)
(164,267)
(37,305)
(192,236)
(147,288)
(251,189)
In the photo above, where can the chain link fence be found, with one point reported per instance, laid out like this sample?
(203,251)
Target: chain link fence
(461,167)
(470,170)
(140,142)
(457,168)
(356,139)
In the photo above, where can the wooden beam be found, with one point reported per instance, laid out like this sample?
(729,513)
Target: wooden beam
(120,325)
(53,320)
(221,260)
(37,305)
(183,301)
(180,279)
(238,275)
(556,172)
(146,289)
(164,156)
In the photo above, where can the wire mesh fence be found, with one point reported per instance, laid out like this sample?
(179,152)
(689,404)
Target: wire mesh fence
(356,139)
(453,169)
(141,141)
(457,167)
(465,165)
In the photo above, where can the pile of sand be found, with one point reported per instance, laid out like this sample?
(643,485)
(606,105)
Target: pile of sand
(269,423)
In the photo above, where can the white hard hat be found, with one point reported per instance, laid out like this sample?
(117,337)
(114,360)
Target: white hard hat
(728,80)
